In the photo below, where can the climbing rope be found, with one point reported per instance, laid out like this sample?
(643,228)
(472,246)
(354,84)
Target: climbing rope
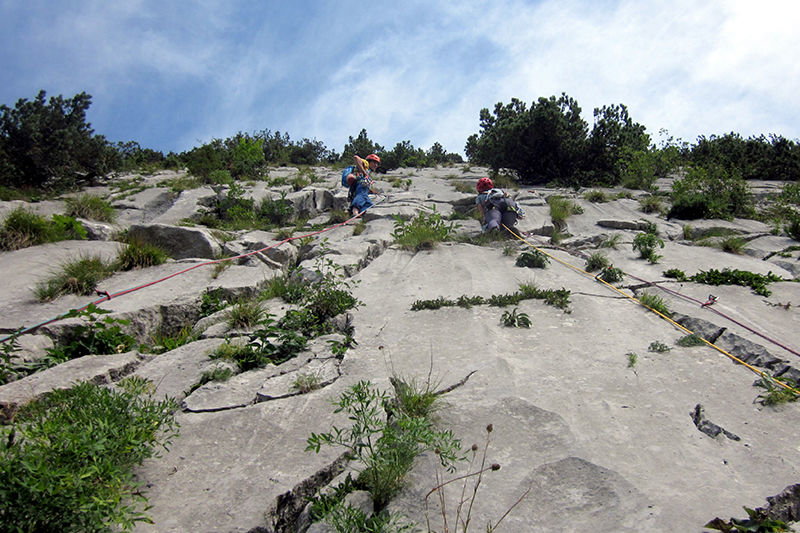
(708,305)
(662,315)
(106,296)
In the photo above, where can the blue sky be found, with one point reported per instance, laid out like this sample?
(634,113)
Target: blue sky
(173,74)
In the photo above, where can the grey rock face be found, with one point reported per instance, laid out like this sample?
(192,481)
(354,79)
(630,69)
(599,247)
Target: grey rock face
(179,242)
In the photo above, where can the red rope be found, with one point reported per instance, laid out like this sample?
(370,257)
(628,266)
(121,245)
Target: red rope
(108,296)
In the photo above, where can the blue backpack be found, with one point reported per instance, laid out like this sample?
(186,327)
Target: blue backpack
(346,172)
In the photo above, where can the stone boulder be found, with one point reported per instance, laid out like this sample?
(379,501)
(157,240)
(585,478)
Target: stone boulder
(179,242)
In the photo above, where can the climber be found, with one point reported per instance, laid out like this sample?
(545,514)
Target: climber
(495,206)
(359,181)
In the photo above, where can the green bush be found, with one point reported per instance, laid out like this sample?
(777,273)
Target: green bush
(691,340)
(96,335)
(65,227)
(793,227)
(655,303)
(646,244)
(67,464)
(561,208)
(80,276)
(246,314)
(91,207)
(711,192)
(383,452)
(757,282)
(532,259)
(595,196)
(597,261)
(651,204)
(22,228)
(733,245)
(422,232)
(611,274)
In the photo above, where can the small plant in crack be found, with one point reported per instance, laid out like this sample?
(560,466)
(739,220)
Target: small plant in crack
(611,274)
(633,358)
(597,261)
(775,393)
(306,382)
(612,241)
(246,314)
(691,340)
(658,347)
(757,521)
(512,319)
(655,303)
(532,259)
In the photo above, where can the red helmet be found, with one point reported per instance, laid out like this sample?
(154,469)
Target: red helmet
(373,157)
(484,184)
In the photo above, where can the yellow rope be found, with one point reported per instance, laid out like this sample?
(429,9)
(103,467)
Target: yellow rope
(665,317)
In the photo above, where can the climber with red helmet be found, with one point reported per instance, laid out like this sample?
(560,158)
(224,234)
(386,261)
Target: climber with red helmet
(496,206)
(359,181)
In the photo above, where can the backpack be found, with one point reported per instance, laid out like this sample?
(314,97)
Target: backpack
(498,199)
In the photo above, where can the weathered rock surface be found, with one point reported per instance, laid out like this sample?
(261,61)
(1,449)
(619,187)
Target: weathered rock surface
(584,441)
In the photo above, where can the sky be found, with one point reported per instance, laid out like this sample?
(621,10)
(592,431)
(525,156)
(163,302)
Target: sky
(174,74)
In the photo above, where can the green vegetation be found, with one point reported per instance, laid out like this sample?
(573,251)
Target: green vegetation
(161,342)
(512,319)
(414,399)
(655,303)
(48,145)
(90,207)
(383,451)
(246,314)
(658,347)
(711,192)
(211,301)
(558,298)
(233,211)
(757,282)
(359,227)
(597,261)
(633,358)
(690,341)
(67,462)
(611,274)
(275,342)
(651,204)
(549,141)
(562,208)
(138,254)
(96,335)
(422,232)
(532,259)
(774,391)
(79,276)
(305,382)
(612,241)
(22,228)
(757,521)
(596,196)
(733,245)
(647,243)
